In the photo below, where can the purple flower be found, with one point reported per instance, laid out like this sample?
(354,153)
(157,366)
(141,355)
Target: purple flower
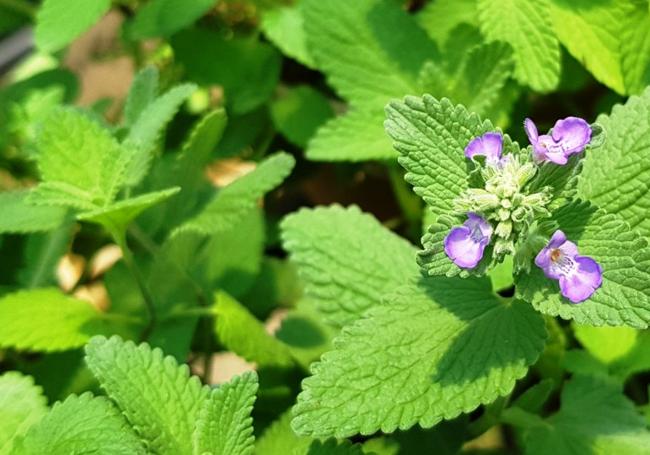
(579,276)
(568,136)
(488,145)
(465,244)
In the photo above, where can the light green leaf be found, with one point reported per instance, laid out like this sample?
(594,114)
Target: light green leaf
(439,18)
(165,17)
(242,333)
(81,165)
(238,198)
(635,46)
(82,424)
(20,217)
(360,46)
(624,297)
(280,439)
(117,216)
(430,352)
(56,26)
(334,447)
(615,175)
(47,320)
(143,92)
(284,27)
(526,25)
(591,33)
(595,417)
(22,404)
(431,135)
(148,128)
(358,135)
(346,259)
(225,425)
(299,112)
(157,396)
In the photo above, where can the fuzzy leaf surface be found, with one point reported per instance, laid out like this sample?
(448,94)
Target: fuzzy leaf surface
(22,404)
(346,259)
(142,92)
(431,351)
(21,217)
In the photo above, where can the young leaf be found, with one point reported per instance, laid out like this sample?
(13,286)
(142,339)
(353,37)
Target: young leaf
(165,17)
(157,396)
(225,425)
(81,424)
(22,404)
(47,320)
(80,163)
(430,352)
(56,27)
(346,259)
(525,25)
(594,417)
(284,27)
(238,198)
(147,129)
(243,334)
(624,297)
(143,92)
(431,135)
(20,217)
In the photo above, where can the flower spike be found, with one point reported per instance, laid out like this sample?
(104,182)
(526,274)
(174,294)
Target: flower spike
(465,244)
(579,276)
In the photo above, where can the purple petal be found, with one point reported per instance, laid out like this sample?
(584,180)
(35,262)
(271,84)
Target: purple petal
(475,220)
(557,239)
(488,145)
(531,131)
(583,282)
(572,134)
(547,149)
(569,249)
(462,249)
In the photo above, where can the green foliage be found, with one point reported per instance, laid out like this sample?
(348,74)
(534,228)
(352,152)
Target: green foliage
(56,27)
(439,18)
(284,27)
(20,217)
(47,320)
(279,439)
(240,332)
(526,25)
(165,17)
(42,254)
(81,424)
(619,186)
(623,255)
(157,396)
(22,404)
(142,93)
(225,425)
(430,352)
(346,259)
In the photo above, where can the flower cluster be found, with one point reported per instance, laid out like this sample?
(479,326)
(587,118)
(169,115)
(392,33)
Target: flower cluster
(506,210)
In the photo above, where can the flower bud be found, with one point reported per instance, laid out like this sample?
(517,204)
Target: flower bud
(504,229)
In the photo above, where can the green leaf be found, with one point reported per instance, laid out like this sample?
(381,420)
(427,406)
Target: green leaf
(594,417)
(148,128)
(439,18)
(20,217)
(360,46)
(346,259)
(429,352)
(526,25)
(334,447)
(225,425)
(56,27)
(280,439)
(143,92)
(22,404)
(81,424)
(81,165)
(624,350)
(615,175)
(237,199)
(165,17)
(284,27)
(157,396)
(47,320)
(624,297)
(591,33)
(117,216)
(242,333)
(635,46)
(431,135)
(299,113)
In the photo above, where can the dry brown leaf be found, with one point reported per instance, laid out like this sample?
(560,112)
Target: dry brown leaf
(69,271)
(224,172)
(104,259)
